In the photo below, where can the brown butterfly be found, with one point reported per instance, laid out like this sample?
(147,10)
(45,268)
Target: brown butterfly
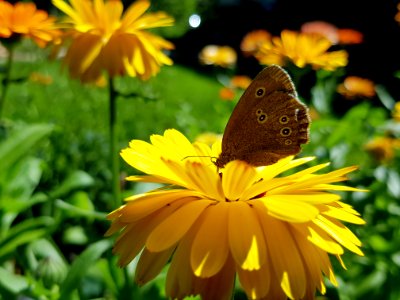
(268,123)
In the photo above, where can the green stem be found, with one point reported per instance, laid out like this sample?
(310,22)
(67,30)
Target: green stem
(116,190)
(6,80)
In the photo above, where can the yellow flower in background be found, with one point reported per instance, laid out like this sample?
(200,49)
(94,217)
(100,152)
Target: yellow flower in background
(396,112)
(208,138)
(302,49)
(356,87)
(106,39)
(223,56)
(383,148)
(252,41)
(23,20)
(274,231)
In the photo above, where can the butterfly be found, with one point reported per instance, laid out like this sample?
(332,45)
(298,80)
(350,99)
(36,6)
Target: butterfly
(268,123)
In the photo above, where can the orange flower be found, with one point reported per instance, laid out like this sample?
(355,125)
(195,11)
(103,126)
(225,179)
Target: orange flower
(302,49)
(323,28)
(349,36)
(397,16)
(240,81)
(24,20)
(383,148)
(40,78)
(227,93)
(252,41)
(354,87)
(223,56)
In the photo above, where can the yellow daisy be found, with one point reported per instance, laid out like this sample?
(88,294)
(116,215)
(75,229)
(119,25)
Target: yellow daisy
(23,20)
(223,56)
(105,38)
(396,112)
(302,49)
(274,231)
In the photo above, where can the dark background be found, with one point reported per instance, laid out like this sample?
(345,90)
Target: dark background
(377,58)
(225,22)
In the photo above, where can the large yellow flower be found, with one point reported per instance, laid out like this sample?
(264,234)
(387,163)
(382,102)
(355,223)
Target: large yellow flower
(106,39)
(274,232)
(24,20)
(302,49)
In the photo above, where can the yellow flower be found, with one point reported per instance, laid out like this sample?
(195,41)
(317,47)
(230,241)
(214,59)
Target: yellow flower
(302,49)
(24,20)
(396,112)
(223,56)
(354,86)
(274,231)
(106,39)
(208,138)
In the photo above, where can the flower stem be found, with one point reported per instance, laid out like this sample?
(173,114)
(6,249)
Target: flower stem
(6,80)
(113,143)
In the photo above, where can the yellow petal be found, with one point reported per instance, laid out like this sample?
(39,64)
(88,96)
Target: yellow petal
(150,264)
(220,286)
(174,227)
(318,237)
(210,246)
(205,180)
(246,240)
(142,205)
(237,177)
(285,256)
(340,233)
(342,215)
(256,283)
(286,209)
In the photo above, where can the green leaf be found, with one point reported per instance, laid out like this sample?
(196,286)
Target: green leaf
(20,142)
(76,211)
(25,232)
(383,95)
(80,267)
(76,180)
(12,282)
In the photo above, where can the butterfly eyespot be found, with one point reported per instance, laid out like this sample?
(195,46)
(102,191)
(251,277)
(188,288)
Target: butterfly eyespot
(286,131)
(260,92)
(284,119)
(288,142)
(262,118)
(259,112)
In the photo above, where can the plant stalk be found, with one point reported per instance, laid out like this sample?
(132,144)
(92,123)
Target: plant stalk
(114,157)
(6,80)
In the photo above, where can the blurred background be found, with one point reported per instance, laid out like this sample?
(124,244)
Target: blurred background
(55,172)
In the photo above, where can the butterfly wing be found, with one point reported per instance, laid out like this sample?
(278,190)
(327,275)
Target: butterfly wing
(268,123)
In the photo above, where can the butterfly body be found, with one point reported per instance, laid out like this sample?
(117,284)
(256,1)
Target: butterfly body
(268,123)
